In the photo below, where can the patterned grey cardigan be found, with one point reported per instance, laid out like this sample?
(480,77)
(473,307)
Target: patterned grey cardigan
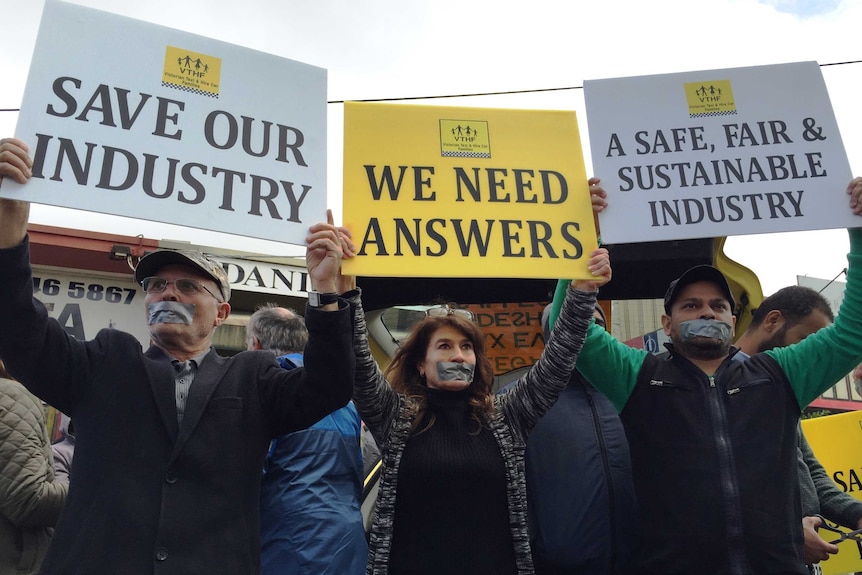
(389,418)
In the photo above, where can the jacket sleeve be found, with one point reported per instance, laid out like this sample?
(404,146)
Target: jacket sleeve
(62,453)
(296,399)
(814,365)
(28,337)
(29,494)
(608,364)
(377,402)
(531,396)
(835,505)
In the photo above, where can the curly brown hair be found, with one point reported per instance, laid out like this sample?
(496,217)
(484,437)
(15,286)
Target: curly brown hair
(403,372)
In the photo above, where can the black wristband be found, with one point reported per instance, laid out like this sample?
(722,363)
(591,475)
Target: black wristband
(317,299)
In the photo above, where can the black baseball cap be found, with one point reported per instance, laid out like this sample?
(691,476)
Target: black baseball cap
(702,273)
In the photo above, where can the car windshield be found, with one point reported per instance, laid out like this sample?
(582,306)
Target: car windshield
(399,320)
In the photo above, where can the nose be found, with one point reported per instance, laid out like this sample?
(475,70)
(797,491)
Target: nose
(170,293)
(707,312)
(458,356)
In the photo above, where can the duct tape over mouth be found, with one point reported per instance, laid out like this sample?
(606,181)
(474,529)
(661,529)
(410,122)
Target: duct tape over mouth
(704,328)
(454,371)
(170,312)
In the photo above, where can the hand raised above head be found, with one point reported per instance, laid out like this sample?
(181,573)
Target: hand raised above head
(600,266)
(854,190)
(345,283)
(15,161)
(323,255)
(598,195)
(347,245)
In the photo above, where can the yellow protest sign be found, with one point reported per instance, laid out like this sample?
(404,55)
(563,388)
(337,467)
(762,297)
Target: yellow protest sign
(465,192)
(837,443)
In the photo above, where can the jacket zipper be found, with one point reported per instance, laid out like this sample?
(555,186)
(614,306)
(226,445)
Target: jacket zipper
(728,479)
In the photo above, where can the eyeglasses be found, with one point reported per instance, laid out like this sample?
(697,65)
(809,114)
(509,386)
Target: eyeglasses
(185,286)
(855,535)
(445,309)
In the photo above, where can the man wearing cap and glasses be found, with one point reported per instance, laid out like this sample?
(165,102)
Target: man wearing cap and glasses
(713,440)
(170,441)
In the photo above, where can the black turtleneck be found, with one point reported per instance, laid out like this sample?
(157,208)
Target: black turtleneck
(451,511)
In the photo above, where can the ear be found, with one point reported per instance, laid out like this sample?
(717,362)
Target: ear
(773,321)
(665,323)
(223,313)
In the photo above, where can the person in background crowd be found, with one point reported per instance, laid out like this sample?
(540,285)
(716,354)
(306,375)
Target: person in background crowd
(310,518)
(786,317)
(580,496)
(452,492)
(170,442)
(713,440)
(64,450)
(31,497)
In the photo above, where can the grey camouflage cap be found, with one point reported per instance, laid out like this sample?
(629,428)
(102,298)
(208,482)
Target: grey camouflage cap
(152,263)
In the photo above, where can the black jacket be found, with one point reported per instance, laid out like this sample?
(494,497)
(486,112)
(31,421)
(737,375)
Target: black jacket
(147,496)
(580,497)
(756,519)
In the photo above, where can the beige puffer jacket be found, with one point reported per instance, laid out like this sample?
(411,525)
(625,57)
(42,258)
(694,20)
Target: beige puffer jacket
(30,499)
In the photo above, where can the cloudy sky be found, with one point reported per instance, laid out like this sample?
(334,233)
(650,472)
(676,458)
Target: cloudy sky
(541,50)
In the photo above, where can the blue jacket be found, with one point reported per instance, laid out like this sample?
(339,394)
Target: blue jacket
(310,515)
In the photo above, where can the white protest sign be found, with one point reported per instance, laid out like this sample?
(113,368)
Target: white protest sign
(717,153)
(133,119)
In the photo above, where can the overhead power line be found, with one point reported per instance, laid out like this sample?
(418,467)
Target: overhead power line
(477,94)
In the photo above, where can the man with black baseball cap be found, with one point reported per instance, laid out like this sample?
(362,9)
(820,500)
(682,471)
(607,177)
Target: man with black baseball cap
(695,274)
(170,442)
(713,440)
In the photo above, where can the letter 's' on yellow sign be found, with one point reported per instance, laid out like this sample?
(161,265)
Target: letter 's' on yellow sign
(465,192)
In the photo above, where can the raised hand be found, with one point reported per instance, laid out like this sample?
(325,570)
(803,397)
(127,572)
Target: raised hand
(854,190)
(598,195)
(323,255)
(600,266)
(15,161)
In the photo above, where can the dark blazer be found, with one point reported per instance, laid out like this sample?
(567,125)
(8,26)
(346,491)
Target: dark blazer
(146,495)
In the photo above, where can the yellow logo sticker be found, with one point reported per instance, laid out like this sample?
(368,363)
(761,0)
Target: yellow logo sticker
(191,72)
(464,139)
(711,98)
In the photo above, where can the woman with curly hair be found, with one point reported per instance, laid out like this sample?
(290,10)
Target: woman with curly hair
(452,494)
